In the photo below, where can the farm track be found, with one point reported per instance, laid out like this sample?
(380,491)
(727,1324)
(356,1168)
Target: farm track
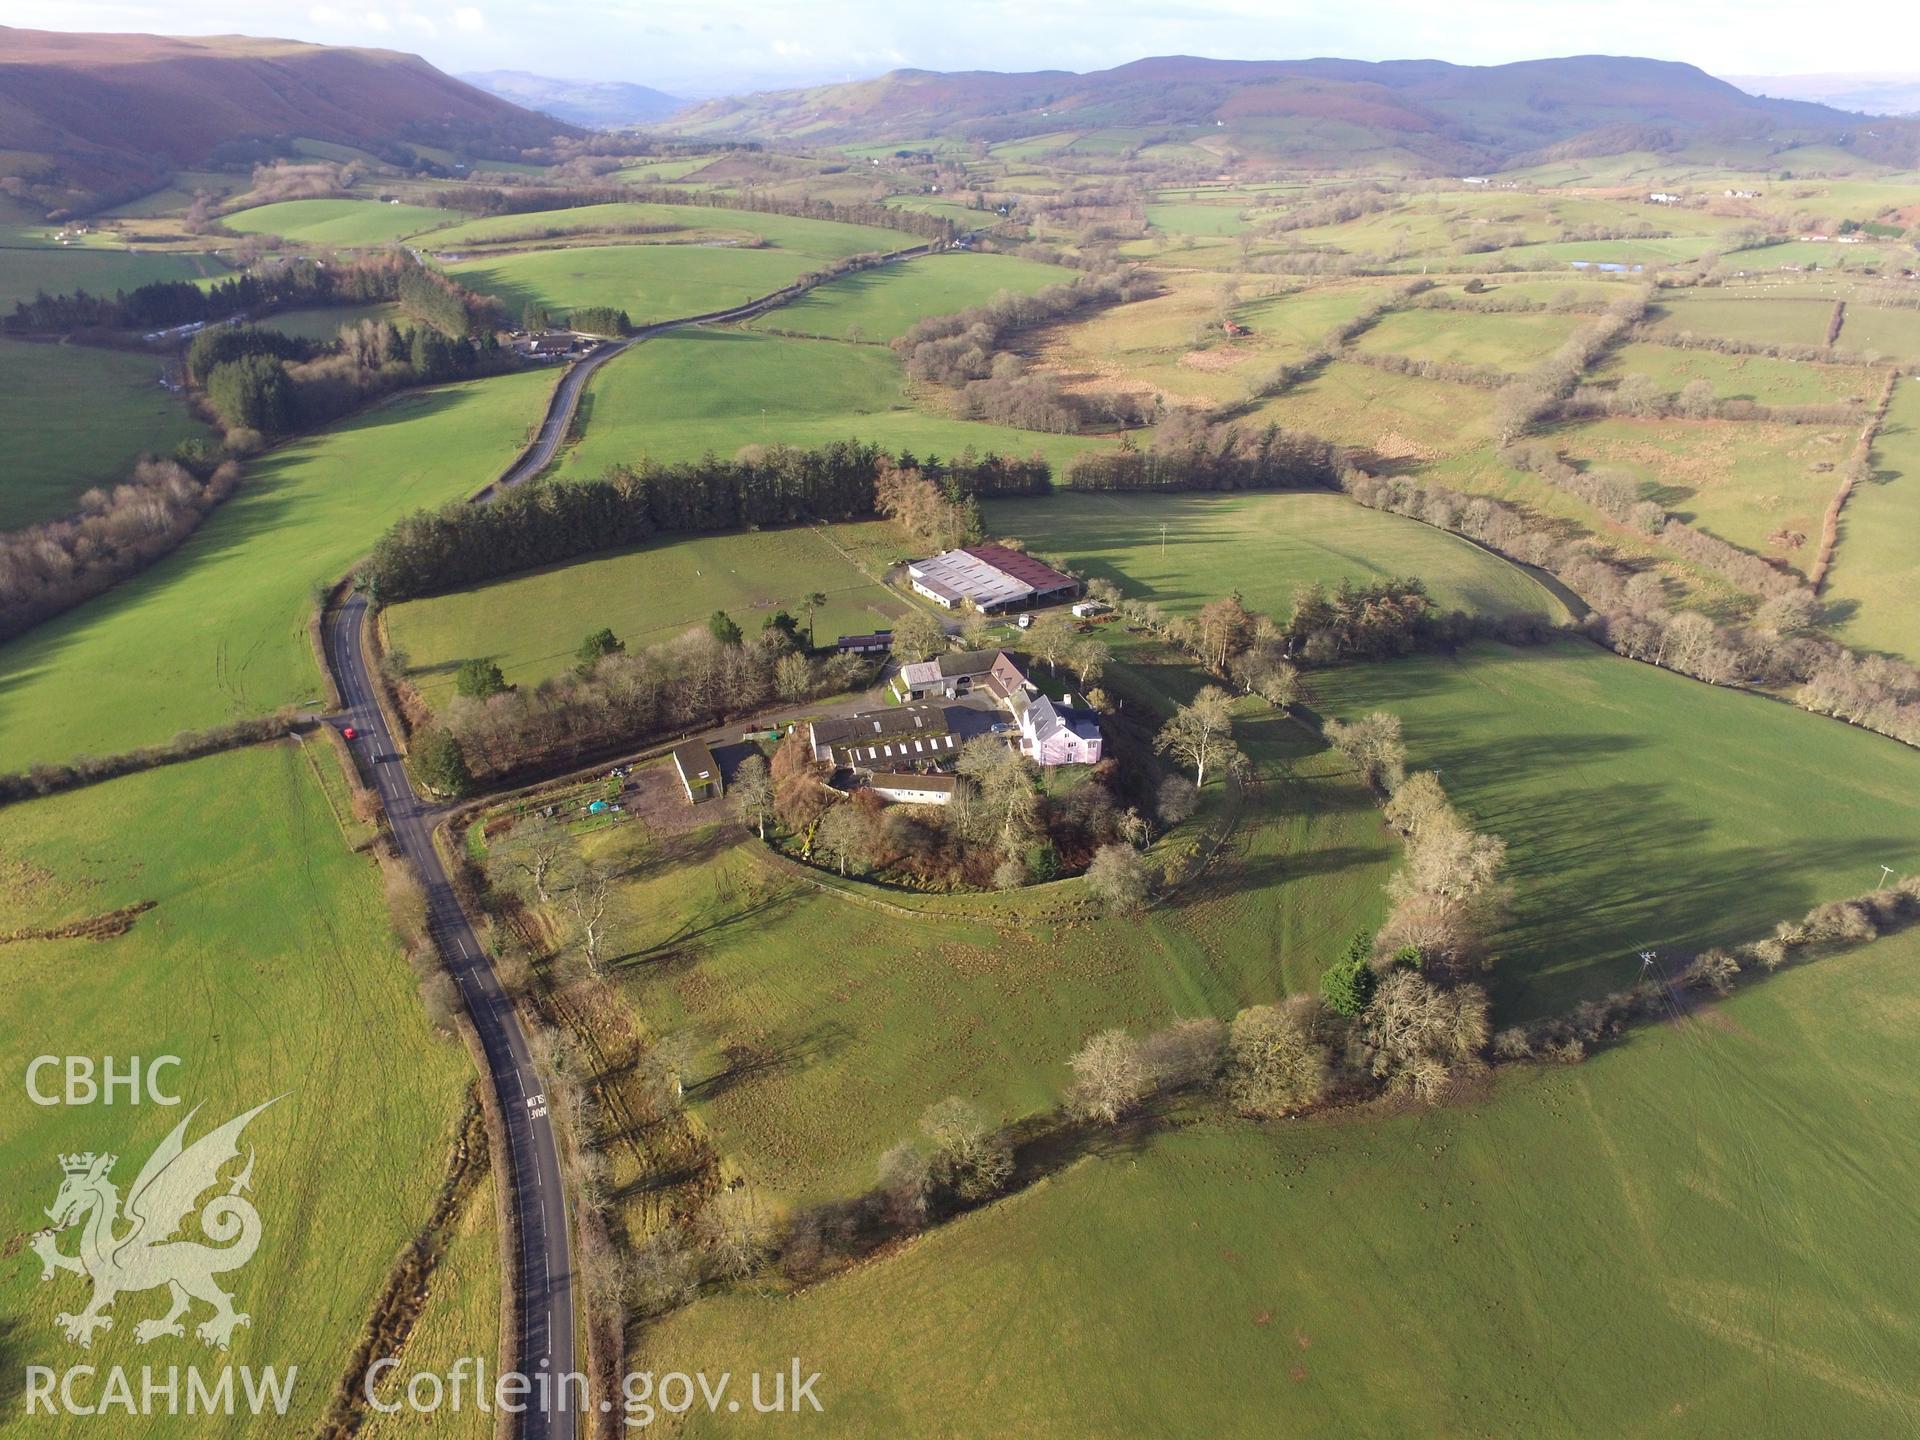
(530,1169)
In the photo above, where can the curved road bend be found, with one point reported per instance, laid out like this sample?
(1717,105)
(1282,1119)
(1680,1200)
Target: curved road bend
(537,1193)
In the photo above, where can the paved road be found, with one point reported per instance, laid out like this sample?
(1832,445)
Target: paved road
(536,1192)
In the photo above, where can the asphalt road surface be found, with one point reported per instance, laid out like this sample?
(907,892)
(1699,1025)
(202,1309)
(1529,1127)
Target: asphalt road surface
(536,1192)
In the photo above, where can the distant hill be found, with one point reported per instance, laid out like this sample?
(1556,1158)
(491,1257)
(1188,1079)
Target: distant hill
(594,104)
(86,118)
(1870,94)
(1424,113)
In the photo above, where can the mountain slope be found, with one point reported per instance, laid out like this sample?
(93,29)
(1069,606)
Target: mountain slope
(87,116)
(596,104)
(1302,110)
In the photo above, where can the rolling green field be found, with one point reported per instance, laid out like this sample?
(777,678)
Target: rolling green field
(325,323)
(649,282)
(218,629)
(1685,1236)
(819,239)
(25,273)
(71,418)
(1398,418)
(338,222)
(1871,583)
(1740,377)
(1762,318)
(267,965)
(880,304)
(531,624)
(1641,809)
(1741,482)
(816,1053)
(1882,330)
(1261,545)
(1506,342)
(1197,219)
(691,391)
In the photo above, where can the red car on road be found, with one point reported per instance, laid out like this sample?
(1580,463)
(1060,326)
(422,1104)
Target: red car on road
(347,732)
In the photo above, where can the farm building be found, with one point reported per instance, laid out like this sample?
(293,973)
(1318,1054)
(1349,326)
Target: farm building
(951,676)
(699,771)
(1092,610)
(876,643)
(911,789)
(991,578)
(910,734)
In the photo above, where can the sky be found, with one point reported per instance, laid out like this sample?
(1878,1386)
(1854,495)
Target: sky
(706,47)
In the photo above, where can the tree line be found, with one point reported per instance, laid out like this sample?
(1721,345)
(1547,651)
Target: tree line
(1190,452)
(533,525)
(291,284)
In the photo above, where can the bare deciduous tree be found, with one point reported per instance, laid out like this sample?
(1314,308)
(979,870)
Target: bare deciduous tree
(1109,1076)
(1200,734)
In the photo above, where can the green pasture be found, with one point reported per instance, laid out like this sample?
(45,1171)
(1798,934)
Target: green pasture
(1758,317)
(683,394)
(72,418)
(1509,343)
(1641,810)
(1741,481)
(1197,219)
(324,323)
(218,629)
(1261,544)
(533,623)
(884,302)
(266,964)
(25,273)
(338,222)
(1882,330)
(1686,1235)
(817,1056)
(1872,587)
(649,282)
(1400,419)
(1740,377)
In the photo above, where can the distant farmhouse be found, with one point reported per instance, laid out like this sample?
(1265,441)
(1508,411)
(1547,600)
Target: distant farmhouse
(991,578)
(948,701)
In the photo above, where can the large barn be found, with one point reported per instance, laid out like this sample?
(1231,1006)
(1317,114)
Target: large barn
(991,578)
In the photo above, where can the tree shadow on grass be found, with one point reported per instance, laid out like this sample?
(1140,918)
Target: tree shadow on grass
(747,1063)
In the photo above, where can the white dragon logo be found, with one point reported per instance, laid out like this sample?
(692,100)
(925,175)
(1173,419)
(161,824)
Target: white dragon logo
(145,1256)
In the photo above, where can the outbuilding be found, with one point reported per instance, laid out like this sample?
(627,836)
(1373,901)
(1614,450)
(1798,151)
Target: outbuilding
(699,771)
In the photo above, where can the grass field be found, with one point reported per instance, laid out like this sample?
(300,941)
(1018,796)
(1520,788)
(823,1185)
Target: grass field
(1399,418)
(1641,809)
(338,222)
(1510,343)
(818,239)
(268,967)
(1884,331)
(1762,318)
(71,418)
(683,394)
(1740,377)
(1684,1236)
(1738,481)
(1197,219)
(25,273)
(649,282)
(218,629)
(532,624)
(1261,545)
(324,324)
(816,1056)
(880,304)
(1872,580)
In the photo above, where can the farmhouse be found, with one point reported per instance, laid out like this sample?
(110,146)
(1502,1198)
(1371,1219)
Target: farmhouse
(699,771)
(875,644)
(991,578)
(1055,734)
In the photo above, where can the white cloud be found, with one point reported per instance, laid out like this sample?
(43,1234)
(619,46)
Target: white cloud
(469,19)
